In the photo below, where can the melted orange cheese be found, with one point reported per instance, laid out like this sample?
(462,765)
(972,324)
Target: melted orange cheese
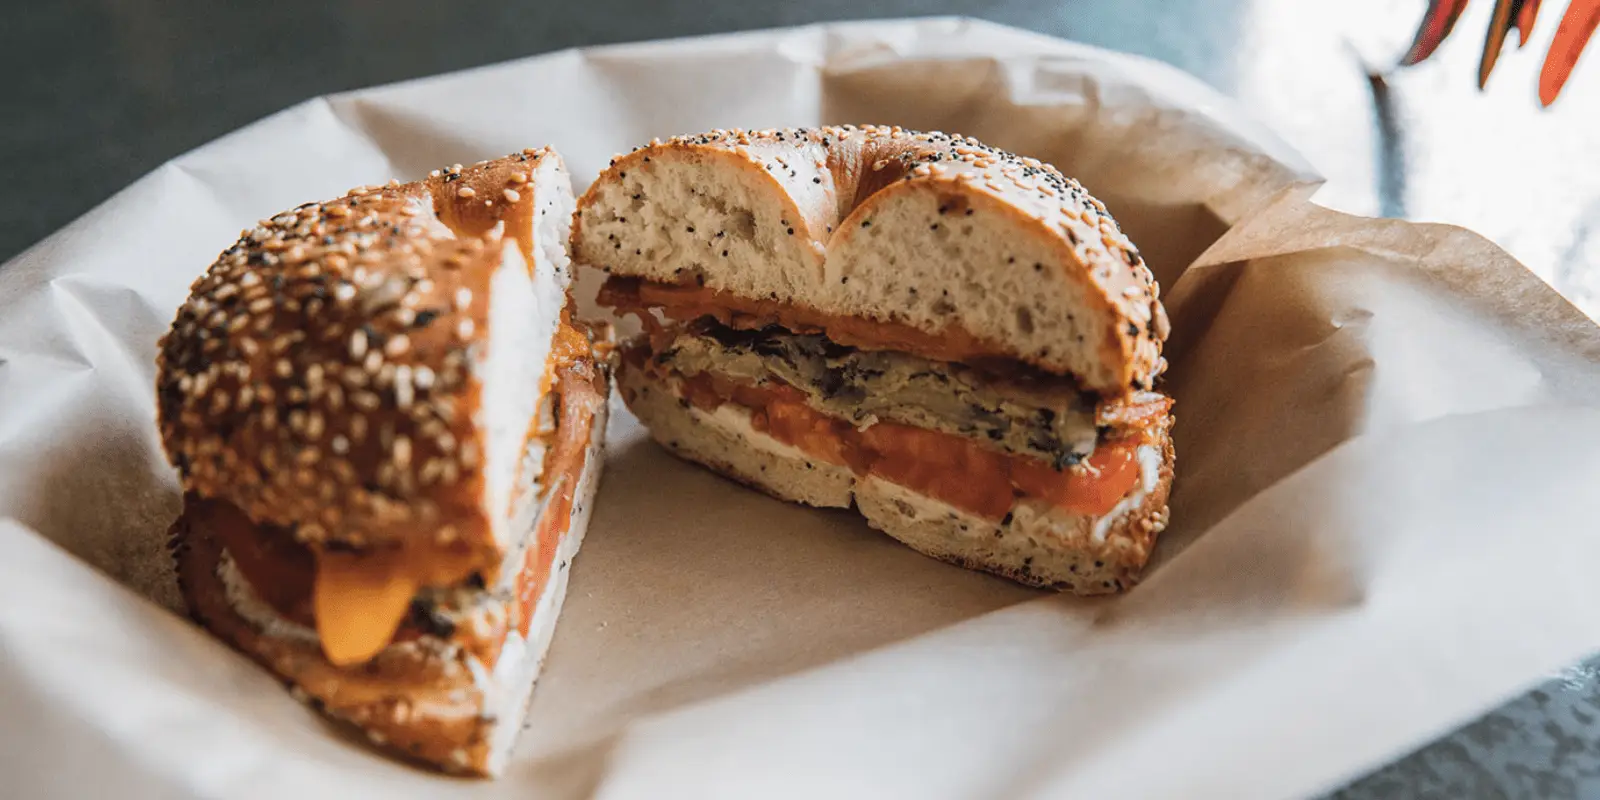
(358,606)
(360,598)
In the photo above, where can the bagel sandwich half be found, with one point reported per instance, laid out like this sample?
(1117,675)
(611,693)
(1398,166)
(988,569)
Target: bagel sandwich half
(956,341)
(388,430)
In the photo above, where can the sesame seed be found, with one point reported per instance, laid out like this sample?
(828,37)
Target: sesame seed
(358,343)
(464,329)
(397,345)
(402,452)
(465,192)
(340,444)
(402,386)
(511,195)
(463,298)
(283,368)
(423,377)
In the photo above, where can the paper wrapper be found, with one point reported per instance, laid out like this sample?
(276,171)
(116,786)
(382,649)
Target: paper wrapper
(1378,524)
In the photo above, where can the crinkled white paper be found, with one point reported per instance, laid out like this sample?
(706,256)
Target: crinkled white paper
(1385,440)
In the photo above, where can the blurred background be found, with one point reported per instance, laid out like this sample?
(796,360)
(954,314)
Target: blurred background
(99,92)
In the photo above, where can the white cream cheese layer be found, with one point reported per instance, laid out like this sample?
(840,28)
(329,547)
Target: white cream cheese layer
(524,311)
(735,420)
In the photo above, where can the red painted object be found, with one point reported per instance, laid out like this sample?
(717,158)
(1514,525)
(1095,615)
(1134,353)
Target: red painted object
(1577,25)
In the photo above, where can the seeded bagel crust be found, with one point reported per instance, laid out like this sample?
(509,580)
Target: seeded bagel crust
(938,232)
(384,378)
(321,374)
(424,699)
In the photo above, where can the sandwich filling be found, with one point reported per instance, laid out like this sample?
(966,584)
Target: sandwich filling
(360,600)
(977,435)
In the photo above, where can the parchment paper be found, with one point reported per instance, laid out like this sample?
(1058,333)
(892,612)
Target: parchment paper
(1386,438)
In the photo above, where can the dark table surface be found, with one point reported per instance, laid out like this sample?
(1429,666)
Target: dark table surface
(98,92)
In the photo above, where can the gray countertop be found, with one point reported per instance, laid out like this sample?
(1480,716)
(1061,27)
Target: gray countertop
(99,92)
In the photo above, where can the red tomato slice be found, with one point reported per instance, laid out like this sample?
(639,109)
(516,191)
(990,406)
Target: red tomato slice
(953,469)
(1092,489)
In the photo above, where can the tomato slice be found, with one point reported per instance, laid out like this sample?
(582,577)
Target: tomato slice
(686,302)
(1093,489)
(954,469)
(278,568)
(579,398)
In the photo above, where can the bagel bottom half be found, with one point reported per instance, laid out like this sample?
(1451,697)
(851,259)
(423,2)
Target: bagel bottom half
(424,699)
(1034,544)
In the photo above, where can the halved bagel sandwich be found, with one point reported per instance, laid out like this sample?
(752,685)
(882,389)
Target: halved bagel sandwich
(956,341)
(388,429)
